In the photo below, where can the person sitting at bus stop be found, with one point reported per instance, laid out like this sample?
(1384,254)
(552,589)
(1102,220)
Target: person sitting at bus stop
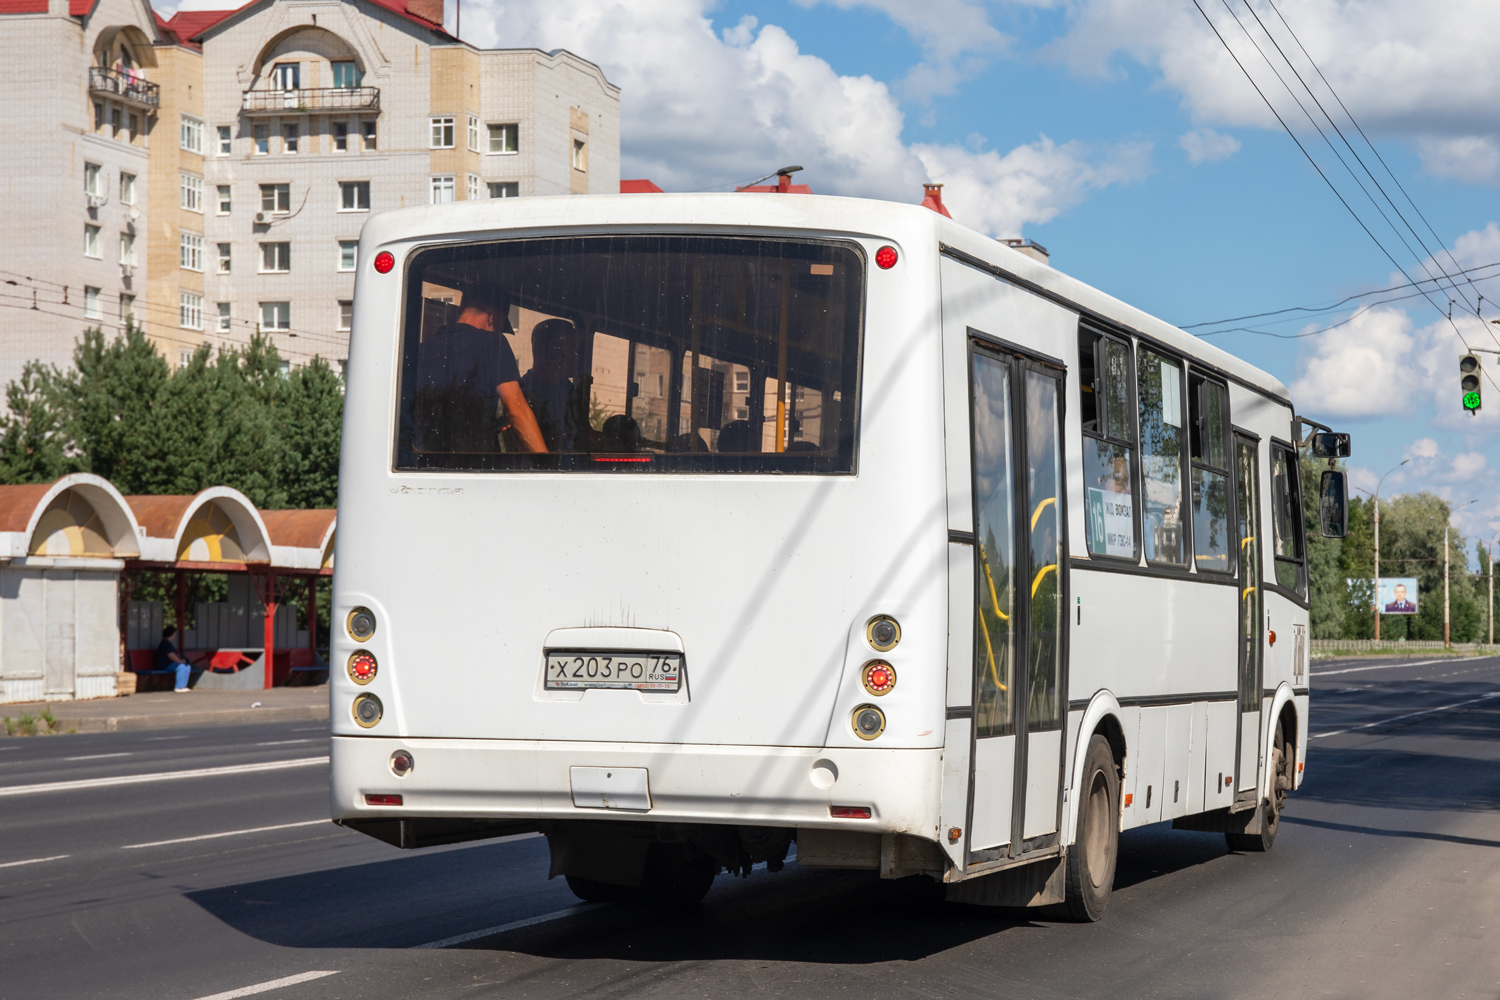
(168,657)
(465,372)
(551,386)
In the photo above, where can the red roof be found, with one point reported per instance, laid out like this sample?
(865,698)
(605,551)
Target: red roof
(188,25)
(80,8)
(23,6)
(641,186)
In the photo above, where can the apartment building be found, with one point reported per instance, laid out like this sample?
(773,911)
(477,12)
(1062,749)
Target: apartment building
(260,139)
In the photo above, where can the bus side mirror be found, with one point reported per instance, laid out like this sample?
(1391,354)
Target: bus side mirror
(1333,504)
(1329,444)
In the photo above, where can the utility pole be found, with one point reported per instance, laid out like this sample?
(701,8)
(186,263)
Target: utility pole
(1375,597)
(1446,643)
(1489,611)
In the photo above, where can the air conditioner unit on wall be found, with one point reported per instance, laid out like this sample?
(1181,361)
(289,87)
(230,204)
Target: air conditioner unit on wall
(261,218)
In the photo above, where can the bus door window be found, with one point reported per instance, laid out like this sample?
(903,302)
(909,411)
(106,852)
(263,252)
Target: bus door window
(1162,432)
(1209,449)
(1247,538)
(994,493)
(1107,416)
(1286,519)
(1043,481)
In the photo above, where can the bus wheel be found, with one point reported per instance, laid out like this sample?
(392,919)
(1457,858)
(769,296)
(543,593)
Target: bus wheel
(1091,859)
(676,875)
(1281,782)
(592,891)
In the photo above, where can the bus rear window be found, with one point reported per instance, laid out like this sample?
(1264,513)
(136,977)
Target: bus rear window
(632,354)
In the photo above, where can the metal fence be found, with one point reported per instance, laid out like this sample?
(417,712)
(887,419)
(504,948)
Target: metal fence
(1334,647)
(320,99)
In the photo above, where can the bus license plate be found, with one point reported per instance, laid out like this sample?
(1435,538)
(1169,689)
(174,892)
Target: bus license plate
(570,670)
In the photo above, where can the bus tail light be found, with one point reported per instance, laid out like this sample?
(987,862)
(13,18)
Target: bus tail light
(868,722)
(362,666)
(849,812)
(367,710)
(382,800)
(878,677)
(384,262)
(402,763)
(885,258)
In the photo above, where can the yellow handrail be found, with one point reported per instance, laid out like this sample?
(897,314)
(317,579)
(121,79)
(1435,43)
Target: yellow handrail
(1036,514)
(1037,580)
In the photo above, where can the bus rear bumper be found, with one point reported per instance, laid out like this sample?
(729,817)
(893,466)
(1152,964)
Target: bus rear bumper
(740,785)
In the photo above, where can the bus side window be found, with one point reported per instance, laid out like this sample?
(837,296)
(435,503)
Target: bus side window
(1208,424)
(1108,445)
(1286,518)
(1160,390)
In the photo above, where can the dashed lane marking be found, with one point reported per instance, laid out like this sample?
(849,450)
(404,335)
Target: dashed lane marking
(1393,666)
(33,861)
(274,984)
(139,779)
(514,925)
(98,756)
(226,833)
(1408,715)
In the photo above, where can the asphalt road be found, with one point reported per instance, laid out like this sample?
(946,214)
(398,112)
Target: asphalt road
(1385,882)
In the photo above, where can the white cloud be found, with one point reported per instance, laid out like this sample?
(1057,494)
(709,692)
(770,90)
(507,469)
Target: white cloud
(1204,145)
(1360,369)
(701,110)
(1423,448)
(1424,72)
(1469,465)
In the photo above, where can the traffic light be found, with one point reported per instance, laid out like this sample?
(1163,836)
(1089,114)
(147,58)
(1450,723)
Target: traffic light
(1468,381)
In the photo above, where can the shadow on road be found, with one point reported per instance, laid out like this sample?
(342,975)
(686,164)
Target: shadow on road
(834,917)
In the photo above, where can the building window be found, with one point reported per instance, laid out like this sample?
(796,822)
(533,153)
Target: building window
(98,117)
(225,201)
(505,138)
(473,134)
(473,188)
(276,198)
(354,196)
(442,189)
(348,254)
(90,241)
(346,75)
(191,191)
(127,249)
(275,315)
(346,314)
(90,302)
(133,127)
(192,134)
(224,316)
(226,251)
(184,357)
(91,179)
(275,258)
(226,140)
(114,122)
(367,129)
(505,189)
(127,188)
(290,134)
(580,155)
(442,133)
(286,76)
(190,252)
(190,311)
(127,308)
(262,137)
(341,136)
(741,379)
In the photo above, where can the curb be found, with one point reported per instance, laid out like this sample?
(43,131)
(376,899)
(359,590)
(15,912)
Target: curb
(175,720)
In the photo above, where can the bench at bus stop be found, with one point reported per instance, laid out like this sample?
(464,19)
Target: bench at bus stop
(230,668)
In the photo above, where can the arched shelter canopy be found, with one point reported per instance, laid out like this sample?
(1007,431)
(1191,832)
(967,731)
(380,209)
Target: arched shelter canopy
(81,516)
(301,540)
(217,530)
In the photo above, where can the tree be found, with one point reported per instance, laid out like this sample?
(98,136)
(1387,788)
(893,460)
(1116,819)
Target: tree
(108,402)
(34,442)
(310,421)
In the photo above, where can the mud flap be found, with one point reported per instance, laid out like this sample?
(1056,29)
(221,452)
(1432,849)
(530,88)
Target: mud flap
(599,852)
(1040,883)
(1251,821)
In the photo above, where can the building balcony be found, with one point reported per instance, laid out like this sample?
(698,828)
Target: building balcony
(282,102)
(127,87)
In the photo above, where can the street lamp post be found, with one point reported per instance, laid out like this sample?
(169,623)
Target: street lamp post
(1489,609)
(1446,523)
(1375,598)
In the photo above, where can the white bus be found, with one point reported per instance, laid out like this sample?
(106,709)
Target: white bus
(686,528)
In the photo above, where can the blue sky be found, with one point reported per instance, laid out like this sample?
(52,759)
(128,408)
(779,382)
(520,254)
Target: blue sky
(1064,122)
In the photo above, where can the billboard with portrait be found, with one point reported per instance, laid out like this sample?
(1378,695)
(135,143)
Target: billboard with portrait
(1398,595)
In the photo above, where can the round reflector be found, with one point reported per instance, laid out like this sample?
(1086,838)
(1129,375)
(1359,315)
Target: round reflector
(885,258)
(361,624)
(367,710)
(883,633)
(878,677)
(869,722)
(362,666)
(402,763)
(384,262)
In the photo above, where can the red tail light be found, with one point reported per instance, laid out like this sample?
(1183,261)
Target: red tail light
(382,800)
(384,262)
(839,812)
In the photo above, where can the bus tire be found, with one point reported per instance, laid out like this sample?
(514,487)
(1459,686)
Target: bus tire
(593,891)
(1091,859)
(1270,821)
(676,875)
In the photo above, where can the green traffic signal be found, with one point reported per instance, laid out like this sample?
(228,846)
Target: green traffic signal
(1468,381)
(1471,401)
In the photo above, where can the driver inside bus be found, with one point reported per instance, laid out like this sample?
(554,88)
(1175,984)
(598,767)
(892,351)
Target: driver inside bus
(463,370)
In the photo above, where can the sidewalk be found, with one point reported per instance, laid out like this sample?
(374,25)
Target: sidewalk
(166,710)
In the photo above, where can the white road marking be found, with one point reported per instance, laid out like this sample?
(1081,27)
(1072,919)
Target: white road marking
(1393,666)
(282,743)
(514,925)
(137,779)
(227,833)
(32,861)
(98,756)
(158,739)
(274,984)
(1408,715)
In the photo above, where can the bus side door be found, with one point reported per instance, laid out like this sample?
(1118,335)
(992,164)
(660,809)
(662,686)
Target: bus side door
(1251,618)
